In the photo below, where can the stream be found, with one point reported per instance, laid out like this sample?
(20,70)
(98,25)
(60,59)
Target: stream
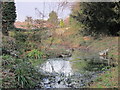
(71,72)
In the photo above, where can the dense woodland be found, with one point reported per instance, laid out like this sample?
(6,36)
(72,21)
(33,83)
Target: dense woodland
(23,49)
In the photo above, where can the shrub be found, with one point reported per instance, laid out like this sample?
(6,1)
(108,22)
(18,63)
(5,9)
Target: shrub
(18,73)
(34,54)
(20,36)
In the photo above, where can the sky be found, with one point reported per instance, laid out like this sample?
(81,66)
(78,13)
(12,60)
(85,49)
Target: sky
(27,8)
(24,9)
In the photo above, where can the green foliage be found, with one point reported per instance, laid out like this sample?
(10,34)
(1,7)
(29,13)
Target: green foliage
(30,45)
(36,36)
(21,73)
(74,23)
(20,36)
(11,33)
(24,74)
(35,62)
(53,18)
(61,23)
(8,43)
(88,65)
(21,41)
(24,41)
(107,80)
(18,73)
(9,16)
(98,18)
(34,54)
(96,66)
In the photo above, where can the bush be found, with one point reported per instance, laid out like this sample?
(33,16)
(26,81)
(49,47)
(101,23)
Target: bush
(20,36)
(19,73)
(34,54)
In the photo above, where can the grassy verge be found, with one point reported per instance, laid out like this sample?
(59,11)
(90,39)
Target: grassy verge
(19,73)
(110,43)
(26,42)
(108,79)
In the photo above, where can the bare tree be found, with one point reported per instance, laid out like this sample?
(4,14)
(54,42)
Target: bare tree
(58,7)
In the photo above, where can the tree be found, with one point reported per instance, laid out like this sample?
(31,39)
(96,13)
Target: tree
(29,21)
(53,18)
(114,26)
(8,16)
(61,23)
(97,18)
(0,16)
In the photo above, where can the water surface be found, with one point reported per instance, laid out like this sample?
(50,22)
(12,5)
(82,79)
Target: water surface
(57,65)
(70,72)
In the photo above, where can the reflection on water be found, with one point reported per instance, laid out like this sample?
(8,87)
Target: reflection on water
(57,65)
(73,72)
(81,63)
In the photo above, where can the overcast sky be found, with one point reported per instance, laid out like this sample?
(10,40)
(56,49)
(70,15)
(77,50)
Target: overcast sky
(27,7)
(24,9)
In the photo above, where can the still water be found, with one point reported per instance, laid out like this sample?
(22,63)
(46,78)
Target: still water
(70,72)
(57,65)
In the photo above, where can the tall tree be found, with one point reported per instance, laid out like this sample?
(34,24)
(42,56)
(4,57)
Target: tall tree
(8,16)
(53,18)
(114,26)
(0,16)
(97,18)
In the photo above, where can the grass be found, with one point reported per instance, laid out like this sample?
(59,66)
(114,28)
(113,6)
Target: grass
(19,73)
(106,42)
(71,40)
(108,79)
(79,65)
(36,62)
(76,59)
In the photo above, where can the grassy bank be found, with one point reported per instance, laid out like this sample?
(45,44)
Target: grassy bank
(104,43)
(34,47)
(108,79)
(20,56)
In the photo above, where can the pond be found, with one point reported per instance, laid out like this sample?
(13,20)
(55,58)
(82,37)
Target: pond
(71,72)
(57,65)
